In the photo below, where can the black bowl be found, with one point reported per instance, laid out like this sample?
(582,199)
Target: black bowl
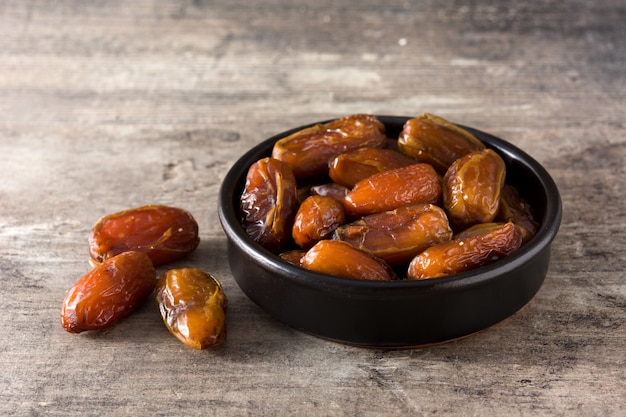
(398,313)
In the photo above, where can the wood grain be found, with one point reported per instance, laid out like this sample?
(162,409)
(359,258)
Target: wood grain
(111,105)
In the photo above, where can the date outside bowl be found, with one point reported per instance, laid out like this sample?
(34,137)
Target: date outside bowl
(396,314)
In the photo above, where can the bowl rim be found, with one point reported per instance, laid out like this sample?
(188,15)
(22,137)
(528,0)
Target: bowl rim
(232,186)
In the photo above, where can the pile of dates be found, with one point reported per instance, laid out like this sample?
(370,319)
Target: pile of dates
(343,199)
(124,249)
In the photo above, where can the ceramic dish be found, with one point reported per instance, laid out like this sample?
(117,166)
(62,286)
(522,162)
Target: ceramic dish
(397,313)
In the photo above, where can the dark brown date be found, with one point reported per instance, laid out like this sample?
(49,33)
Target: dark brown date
(472,187)
(164,233)
(269,203)
(108,293)
(397,236)
(385,191)
(193,307)
(433,140)
(514,209)
(316,219)
(308,151)
(337,258)
(476,249)
(353,166)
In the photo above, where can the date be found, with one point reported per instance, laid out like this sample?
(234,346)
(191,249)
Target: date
(316,219)
(193,307)
(308,151)
(353,166)
(389,190)
(164,233)
(433,140)
(472,187)
(337,258)
(269,203)
(108,293)
(397,236)
(515,209)
(467,252)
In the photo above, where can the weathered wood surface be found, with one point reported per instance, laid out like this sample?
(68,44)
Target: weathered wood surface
(110,105)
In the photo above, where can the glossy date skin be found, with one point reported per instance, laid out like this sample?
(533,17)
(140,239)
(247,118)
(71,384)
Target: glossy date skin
(353,166)
(164,233)
(397,236)
(269,203)
(469,251)
(193,307)
(340,259)
(385,191)
(308,152)
(108,293)
(433,140)
(472,187)
(316,219)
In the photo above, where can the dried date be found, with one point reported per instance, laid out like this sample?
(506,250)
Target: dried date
(308,151)
(316,219)
(164,233)
(467,252)
(337,258)
(193,307)
(397,236)
(353,166)
(269,203)
(472,187)
(515,209)
(108,293)
(434,140)
(385,191)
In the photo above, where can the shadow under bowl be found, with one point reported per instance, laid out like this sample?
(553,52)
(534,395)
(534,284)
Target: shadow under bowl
(396,314)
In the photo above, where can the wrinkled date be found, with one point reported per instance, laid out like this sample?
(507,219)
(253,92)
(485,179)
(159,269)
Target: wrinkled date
(193,307)
(334,257)
(308,151)
(269,203)
(434,140)
(108,293)
(472,186)
(164,233)
(469,251)
(413,184)
(397,236)
(316,219)
(353,166)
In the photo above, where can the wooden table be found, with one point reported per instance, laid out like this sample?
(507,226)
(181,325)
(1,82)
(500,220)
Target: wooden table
(111,105)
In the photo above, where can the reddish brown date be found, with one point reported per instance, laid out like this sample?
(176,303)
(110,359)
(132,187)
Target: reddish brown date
(337,258)
(269,203)
(385,191)
(472,187)
(164,233)
(353,166)
(308,151)
(475,249)
(193,307)
(108,293)
(514,209)
(397,236)
(433,140)
(316,219)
